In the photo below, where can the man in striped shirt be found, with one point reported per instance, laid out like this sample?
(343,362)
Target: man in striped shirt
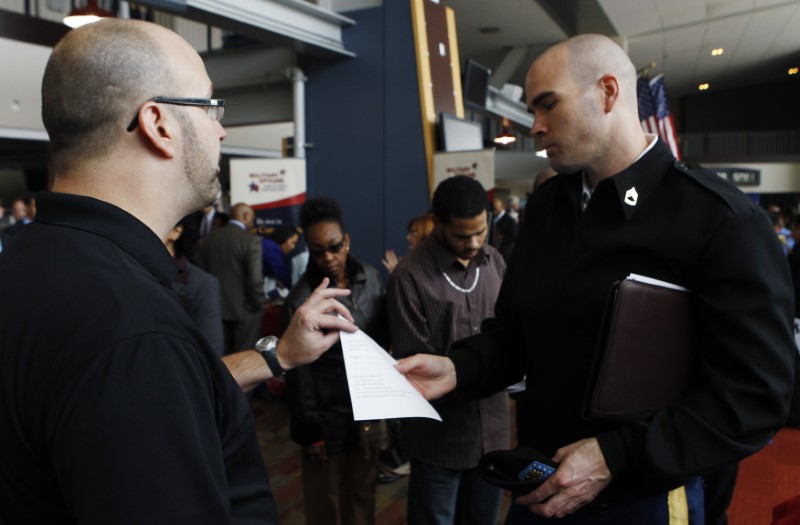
(437,294)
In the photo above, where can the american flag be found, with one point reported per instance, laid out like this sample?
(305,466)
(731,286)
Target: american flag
(654,111)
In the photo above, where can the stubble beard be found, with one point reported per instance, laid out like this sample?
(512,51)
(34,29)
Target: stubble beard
(202,176)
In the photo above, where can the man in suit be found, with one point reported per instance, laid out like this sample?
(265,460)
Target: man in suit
(507,229)
(233,255)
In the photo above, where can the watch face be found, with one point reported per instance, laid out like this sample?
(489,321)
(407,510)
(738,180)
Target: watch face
(266,343)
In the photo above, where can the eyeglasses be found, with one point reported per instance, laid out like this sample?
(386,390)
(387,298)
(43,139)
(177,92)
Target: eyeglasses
(215,106)
(332,248)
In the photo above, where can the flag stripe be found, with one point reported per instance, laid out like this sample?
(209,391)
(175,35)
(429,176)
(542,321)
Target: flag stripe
(654,111)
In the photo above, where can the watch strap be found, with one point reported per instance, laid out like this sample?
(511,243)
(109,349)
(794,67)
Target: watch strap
(267,347)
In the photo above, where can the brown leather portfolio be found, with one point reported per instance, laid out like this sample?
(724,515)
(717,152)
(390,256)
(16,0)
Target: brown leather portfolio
(646,353)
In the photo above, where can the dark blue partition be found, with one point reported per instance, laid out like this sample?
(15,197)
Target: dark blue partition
(363,119)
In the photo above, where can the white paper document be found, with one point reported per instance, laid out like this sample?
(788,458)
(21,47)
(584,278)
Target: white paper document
(377,389)
(656,282)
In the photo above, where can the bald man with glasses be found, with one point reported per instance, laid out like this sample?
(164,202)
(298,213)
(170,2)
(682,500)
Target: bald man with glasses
(115,408)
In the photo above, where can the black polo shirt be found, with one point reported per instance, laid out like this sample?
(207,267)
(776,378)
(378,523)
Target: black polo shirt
(113,408)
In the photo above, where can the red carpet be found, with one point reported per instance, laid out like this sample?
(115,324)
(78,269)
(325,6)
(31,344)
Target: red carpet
(766,479)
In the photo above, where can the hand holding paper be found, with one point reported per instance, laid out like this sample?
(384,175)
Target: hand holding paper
(432,375)
(377,389)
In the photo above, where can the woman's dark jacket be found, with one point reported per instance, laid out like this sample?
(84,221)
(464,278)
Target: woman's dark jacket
(318,395)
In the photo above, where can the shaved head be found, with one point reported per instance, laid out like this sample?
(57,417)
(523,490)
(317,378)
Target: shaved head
(583,96)
(95,79)
(590,57)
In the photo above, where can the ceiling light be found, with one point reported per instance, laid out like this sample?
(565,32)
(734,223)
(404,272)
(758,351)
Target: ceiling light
(793,70)
(717,52)
(703,87)
(505,138)
(86,15)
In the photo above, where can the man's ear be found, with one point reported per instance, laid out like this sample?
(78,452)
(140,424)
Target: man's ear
(158,128)
(609,86)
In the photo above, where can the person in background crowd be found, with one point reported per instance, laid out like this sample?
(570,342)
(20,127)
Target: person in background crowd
(115,408)
(419,229)
(622,204)
(206,219)
(506,230)
(784,235)
(512,207)
(274,258)
(233,255)
(4,217)
(339,475)
(198,291)
(220,220)
(439,293)
(24,212)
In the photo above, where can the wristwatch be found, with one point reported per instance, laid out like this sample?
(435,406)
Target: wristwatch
(267,347)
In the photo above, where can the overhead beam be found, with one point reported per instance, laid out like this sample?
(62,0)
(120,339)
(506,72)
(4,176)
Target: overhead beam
(236,68)
(299,25)
(16,26)
(576,17)
(510,64)
(503,107)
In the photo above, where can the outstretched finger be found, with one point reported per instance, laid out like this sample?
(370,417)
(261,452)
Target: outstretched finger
(332,322)
(323,292)
(324,300)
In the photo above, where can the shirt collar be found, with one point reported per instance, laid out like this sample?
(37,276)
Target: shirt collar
(238,223)
(115,224)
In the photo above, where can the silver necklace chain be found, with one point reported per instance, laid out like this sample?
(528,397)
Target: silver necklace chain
(464,290)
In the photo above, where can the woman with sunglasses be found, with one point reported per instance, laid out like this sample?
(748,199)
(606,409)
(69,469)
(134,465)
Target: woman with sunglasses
(339,476)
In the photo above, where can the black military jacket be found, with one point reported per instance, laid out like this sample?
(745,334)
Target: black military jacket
(662,219)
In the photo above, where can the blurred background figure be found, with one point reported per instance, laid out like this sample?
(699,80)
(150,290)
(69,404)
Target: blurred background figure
(339,476)
(275,263)
(233,255)
(784,235)
(206,218)
(23,212)
(419,229)
(505,228)
(513,208)
(4,217)
(198,290)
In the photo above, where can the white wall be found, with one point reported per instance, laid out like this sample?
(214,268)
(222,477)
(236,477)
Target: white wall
(261,136)
(20,89)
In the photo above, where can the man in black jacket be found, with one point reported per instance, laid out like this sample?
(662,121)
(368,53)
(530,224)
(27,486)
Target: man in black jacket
(622,205)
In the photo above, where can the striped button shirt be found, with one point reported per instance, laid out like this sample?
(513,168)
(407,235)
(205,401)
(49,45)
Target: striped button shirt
(431,306)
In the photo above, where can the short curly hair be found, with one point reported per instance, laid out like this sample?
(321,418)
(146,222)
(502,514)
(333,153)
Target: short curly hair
(320,209)
(460,196)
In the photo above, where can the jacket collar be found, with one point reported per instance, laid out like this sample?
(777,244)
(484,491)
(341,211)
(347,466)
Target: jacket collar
(636,183)
(355,271)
